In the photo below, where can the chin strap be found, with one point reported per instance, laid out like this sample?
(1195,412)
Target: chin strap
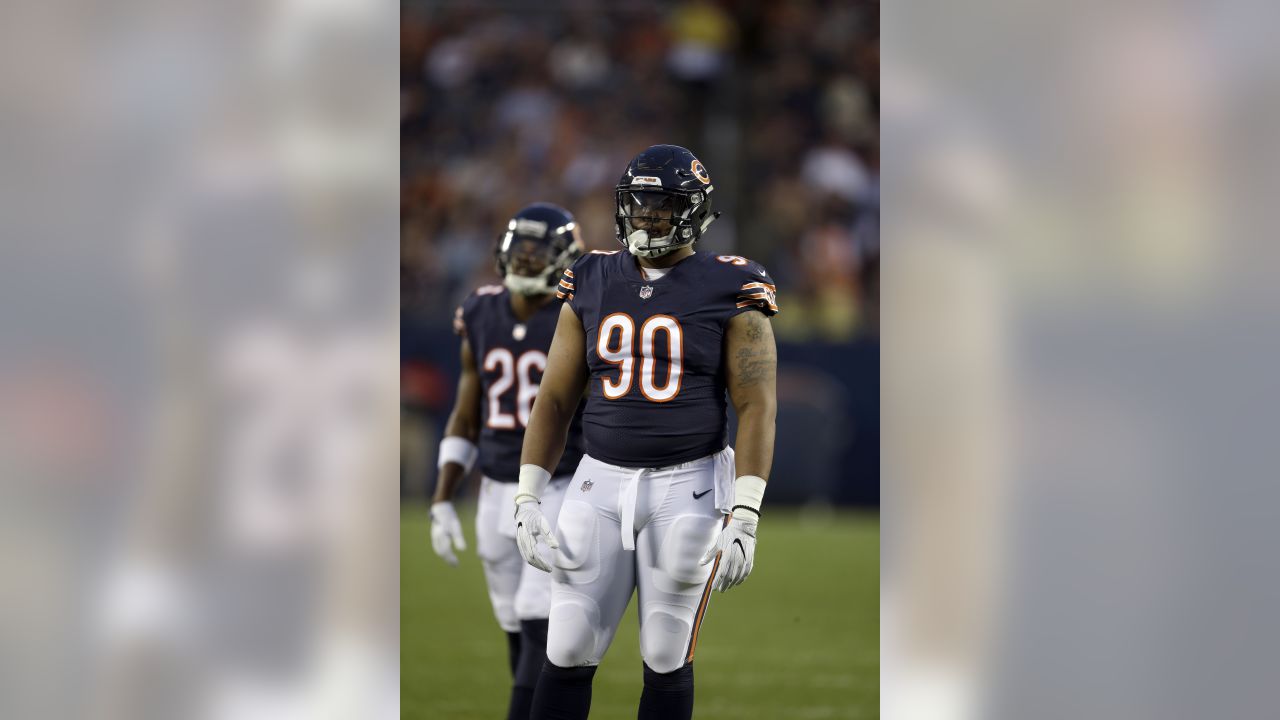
(707,224)
(637,244)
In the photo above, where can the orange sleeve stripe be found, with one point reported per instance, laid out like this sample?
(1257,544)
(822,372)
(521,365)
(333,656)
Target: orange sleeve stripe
(566,285)
(767,286)
(568,273)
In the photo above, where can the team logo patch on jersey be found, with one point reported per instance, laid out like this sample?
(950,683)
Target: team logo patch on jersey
(586,486)
(518,332)
(646,292)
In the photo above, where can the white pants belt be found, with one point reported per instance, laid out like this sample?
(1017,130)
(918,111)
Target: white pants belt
(627,508)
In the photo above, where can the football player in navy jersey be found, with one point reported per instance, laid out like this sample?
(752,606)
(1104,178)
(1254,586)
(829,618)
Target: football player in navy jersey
(660,504)
(506,331)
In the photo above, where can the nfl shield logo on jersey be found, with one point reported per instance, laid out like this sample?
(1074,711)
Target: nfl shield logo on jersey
(646,292)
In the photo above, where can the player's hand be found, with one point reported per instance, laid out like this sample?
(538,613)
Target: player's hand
(531,525)
(446,532)
(736,546)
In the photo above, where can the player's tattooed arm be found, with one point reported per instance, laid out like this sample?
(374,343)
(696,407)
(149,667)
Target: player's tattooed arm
(751,366)
(755,359)
(464,421)
(559,393)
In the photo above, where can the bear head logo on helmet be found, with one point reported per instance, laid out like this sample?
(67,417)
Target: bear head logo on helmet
(663,201)
(540,242)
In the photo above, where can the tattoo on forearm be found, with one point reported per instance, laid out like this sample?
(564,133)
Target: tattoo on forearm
(753,366)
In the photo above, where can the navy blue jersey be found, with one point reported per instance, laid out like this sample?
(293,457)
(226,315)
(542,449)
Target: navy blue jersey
(510,357)
(655,352)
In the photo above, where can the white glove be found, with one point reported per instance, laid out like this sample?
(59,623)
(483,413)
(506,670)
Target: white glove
(736,546)
(531,525)
(446,530)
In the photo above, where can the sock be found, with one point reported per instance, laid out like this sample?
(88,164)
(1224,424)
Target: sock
(521,703)
(667,696)
(513,651)
(562,693)
(533,650)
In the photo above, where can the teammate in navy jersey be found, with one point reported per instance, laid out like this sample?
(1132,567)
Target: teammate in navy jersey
(506,331)
(659,504)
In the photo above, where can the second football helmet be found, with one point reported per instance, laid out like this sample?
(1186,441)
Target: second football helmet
(663,201)
(539,243)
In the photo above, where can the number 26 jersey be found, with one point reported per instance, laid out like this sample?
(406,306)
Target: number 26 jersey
(655,352)
(511,357)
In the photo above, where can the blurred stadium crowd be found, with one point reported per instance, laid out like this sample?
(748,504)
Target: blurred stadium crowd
(507,103)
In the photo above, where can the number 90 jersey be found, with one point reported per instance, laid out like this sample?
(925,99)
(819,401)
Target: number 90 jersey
(510,358)
(655,352)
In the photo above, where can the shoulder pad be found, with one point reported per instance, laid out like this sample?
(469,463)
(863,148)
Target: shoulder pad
(469,305)
(752,285)
(583,265)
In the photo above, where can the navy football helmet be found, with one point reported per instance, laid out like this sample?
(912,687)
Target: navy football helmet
(663,201)
(540,242)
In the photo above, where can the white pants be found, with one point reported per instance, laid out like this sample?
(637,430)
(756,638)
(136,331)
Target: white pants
(517,590)
(622,529)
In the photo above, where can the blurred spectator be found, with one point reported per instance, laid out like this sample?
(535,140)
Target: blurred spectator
(506,105)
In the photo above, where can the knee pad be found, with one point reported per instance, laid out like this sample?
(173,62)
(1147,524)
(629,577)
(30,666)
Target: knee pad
(678,568)
(664,639)
(678,680)
(572,633)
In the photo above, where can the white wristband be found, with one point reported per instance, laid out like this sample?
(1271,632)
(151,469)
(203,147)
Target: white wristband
(748,492)
(454,449)
(533,480)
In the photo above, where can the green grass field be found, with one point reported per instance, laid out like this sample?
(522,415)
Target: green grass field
(798,640)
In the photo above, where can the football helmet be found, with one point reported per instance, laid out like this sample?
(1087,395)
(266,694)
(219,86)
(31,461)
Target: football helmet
(663,201)
(539,243)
